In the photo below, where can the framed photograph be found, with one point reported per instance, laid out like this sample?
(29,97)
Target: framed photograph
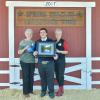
(46,49)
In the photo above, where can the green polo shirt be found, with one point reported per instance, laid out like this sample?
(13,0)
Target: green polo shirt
(25,56)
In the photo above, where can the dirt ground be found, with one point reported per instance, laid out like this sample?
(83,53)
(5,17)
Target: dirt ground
(13,94)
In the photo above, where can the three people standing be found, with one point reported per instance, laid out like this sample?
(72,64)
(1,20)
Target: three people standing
(47,65)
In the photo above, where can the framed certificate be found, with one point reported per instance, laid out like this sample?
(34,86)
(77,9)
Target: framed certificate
(46,49)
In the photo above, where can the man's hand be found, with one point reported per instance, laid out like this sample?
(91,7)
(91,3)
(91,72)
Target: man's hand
(35,53)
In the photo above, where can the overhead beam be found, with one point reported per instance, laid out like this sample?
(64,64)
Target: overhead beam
(49,4)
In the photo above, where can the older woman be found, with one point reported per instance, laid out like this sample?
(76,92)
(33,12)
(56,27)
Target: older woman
(62,50)
(27,61)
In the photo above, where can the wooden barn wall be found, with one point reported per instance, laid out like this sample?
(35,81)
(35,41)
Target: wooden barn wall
(75,36)
(3,41)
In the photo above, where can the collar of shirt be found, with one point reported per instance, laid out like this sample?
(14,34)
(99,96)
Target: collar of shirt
(44,39)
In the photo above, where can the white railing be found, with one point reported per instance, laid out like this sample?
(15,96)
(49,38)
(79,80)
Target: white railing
(4,71)
(15,73)
(95,71)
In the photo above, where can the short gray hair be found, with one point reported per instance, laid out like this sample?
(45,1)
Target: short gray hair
(28,31)
(58,30)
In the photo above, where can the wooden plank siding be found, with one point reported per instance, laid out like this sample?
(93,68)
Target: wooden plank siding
(76,37)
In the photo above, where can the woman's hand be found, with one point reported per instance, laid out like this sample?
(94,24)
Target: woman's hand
(22,50)
(26,47)
(62,52)
(55,57)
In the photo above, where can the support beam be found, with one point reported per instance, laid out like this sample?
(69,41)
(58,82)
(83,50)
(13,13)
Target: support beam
(49,4)
(11,41)
(88,46)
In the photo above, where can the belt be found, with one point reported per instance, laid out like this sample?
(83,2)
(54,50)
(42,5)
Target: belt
(45,62)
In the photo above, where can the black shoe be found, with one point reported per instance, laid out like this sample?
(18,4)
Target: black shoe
(43,94)
(51,95)
(26,95)
(33,93)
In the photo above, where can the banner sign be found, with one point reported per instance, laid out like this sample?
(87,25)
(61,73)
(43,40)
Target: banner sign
(54,17)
